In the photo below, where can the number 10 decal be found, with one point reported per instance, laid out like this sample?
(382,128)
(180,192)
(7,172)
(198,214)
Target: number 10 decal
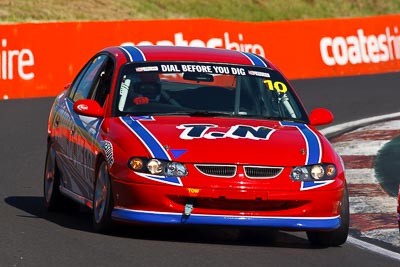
(278,86)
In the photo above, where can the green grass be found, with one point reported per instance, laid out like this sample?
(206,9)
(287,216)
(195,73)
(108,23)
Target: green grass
(242,10)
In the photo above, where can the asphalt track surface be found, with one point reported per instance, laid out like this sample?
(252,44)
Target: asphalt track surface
(31,237)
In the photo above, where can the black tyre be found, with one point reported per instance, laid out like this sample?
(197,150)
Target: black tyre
(102,200)
(53,199)
(338,236)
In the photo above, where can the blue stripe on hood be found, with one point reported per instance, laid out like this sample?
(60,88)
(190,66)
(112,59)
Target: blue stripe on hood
(313,144)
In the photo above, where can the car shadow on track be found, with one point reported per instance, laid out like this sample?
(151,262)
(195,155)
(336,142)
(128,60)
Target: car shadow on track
(81,220)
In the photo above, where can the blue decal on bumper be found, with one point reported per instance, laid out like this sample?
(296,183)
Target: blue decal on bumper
(295,223)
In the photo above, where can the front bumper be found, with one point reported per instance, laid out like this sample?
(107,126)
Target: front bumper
(299,223)
(257,207)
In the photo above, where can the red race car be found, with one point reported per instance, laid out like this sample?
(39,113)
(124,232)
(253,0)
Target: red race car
(193,136)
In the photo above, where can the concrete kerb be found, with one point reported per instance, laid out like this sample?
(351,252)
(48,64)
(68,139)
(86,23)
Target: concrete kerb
(333,131)
(336,130)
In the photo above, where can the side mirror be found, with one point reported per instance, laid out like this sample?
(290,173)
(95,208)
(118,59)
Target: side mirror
(88,107)
(320,116)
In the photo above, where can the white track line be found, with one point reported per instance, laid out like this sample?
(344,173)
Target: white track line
(373,248)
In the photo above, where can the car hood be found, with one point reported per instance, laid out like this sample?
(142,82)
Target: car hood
(221,140)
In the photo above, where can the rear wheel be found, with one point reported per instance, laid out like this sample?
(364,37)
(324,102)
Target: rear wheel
(53,199)
(338,236)
(102,200)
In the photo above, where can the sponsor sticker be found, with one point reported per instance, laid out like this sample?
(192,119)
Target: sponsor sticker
(149,68)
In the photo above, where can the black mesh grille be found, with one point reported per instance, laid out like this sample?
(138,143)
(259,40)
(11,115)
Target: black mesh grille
(262,172)
(217,170)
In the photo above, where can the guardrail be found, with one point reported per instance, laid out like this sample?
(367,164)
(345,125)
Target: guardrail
(38,59)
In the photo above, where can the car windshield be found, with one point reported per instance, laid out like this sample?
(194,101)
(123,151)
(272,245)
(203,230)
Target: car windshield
(205,89)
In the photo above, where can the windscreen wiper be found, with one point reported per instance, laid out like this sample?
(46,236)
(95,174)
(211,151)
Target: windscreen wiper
(206,113)
(277,118)
(197,113)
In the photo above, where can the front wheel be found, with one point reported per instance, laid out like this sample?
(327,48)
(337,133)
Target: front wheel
(102,200)
(338,236)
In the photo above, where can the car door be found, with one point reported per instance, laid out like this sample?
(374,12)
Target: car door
(88,140)
(82,130)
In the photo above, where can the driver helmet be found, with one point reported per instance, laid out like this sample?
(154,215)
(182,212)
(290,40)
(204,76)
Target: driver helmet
(147,85)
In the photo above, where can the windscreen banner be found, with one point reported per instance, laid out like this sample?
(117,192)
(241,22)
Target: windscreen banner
(39,59)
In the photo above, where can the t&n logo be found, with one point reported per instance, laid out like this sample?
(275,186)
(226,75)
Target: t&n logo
(194,131)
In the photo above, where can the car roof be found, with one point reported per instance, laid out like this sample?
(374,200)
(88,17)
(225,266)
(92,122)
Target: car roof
(189,54)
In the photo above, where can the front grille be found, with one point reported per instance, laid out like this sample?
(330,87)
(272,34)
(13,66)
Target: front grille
(260,172)
(226,171)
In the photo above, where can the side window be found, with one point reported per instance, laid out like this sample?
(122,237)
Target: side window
(85,81)
(103,84)
(74,85)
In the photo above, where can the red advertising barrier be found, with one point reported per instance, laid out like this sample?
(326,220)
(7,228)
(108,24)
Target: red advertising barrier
(38,59)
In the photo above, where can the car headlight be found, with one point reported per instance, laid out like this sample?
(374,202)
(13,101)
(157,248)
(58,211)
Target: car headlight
(313,172)
(158,167)
(175,169)
(155,166)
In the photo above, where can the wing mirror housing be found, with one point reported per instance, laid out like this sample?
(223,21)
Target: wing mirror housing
(320,116)
(88,107)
